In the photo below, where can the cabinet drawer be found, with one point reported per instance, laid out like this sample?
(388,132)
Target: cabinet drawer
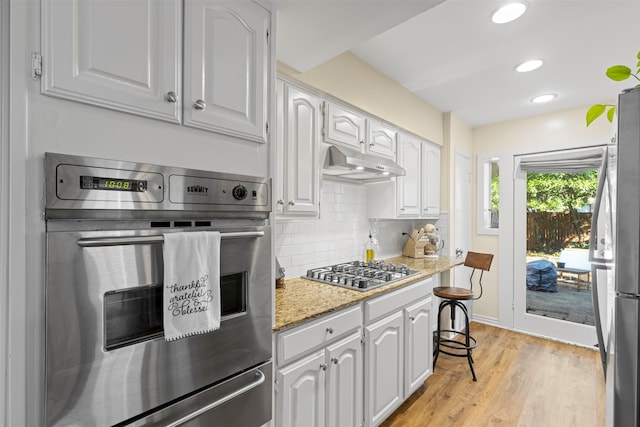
(304,338)
(388,303)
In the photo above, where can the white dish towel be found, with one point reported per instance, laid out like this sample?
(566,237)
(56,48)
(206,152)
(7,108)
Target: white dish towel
(191,283)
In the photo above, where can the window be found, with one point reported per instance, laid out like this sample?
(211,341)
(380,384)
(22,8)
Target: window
(488,194)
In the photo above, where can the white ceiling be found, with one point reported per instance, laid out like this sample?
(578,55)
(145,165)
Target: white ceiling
(451,55)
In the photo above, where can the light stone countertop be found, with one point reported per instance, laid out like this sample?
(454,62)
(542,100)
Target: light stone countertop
(302,300)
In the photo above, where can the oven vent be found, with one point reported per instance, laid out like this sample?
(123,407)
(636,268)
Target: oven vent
(160,224)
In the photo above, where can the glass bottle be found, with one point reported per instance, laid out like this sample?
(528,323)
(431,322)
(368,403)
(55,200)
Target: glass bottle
(371,247)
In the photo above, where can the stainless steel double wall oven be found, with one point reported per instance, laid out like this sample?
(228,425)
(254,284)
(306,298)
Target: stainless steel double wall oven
(107,362)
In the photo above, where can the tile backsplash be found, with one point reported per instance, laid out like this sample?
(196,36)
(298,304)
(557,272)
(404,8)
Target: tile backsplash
(340,233)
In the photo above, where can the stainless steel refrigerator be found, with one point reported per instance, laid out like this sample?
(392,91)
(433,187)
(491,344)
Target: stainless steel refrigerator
(615,256)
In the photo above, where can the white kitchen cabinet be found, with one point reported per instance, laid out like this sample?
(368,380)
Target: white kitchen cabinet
(344,127)
(398,348)
(129,56)
(408,196)
(381,138)
(418,362)
(384,367)
(319,372)
(297,139)
(344,382)
(301,393)
(415,195)
(121,55)
(357,131)
(430,182)
(226,67)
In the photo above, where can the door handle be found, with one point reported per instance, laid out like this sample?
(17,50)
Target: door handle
(141,240)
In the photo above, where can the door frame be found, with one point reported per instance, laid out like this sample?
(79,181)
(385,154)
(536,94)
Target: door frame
(547,327)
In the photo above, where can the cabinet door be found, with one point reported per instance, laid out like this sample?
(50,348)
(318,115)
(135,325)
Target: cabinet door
(120,55)
(418,345)
(384,364)
(226,67)
(344,382)
(301,181)
(382,139)
(343,126)
(408,186)
(300,393)
(430,180)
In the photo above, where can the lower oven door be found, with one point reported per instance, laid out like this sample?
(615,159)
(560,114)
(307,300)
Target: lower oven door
(106,358)
(238,401)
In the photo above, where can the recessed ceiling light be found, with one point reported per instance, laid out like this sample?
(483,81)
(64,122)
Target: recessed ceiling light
(509,12)
(529,65)
(540,99)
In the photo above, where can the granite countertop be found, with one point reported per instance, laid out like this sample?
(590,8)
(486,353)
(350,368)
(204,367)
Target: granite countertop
(302,300)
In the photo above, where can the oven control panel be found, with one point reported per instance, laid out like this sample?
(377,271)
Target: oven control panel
(77,186)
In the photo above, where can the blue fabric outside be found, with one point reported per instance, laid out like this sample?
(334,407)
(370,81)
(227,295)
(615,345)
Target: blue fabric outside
(542,276)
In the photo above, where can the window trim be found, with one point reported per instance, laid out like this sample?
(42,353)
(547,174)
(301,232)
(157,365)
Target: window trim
(483,178)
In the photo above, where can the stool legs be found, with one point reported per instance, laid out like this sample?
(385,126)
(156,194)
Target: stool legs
(469,342)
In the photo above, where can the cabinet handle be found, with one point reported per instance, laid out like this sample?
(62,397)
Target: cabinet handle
(330,330)
(402,209)
(171,97)
(291,203)
(323,366)
(334,360)
(200,105)
(426,209)
(280,202)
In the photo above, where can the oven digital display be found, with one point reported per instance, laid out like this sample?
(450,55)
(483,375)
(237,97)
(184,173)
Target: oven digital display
(112,184)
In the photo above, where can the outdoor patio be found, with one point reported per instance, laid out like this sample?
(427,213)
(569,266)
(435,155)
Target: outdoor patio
(570,303)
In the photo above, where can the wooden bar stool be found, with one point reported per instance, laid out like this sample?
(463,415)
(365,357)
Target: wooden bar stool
(453,297)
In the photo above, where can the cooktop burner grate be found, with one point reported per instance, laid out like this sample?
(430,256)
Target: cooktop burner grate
(360,276)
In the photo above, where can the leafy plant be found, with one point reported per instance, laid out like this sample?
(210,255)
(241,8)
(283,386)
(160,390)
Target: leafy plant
(617,73)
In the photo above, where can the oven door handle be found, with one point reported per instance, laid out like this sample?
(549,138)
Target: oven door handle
(140,240)
(259,379)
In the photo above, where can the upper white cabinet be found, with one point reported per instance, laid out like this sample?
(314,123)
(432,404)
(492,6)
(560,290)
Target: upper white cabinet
(226,67)
(415,195)
(297,135)
(129,56)
(430,180)
(121,55)
(347,127)
(381,138)
(344,126)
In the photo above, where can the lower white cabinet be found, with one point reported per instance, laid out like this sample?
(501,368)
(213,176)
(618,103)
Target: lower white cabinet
(354,367)
(319,372)
(300,392)
(384,390)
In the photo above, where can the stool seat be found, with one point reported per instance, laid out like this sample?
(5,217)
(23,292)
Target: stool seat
(453,293)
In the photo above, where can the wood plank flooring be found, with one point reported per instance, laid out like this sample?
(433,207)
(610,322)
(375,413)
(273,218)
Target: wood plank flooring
(523,381)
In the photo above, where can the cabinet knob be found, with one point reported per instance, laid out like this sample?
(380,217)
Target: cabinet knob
(334,360)
(372,145)
(280,202)
(330,330)
(361,142)
(200,105)
(402,209)
(323,366)
(171,97)
(426,209)
(291,203)
(412,318)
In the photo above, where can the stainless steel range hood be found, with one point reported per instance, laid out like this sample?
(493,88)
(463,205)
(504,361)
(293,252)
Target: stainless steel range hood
(353,165)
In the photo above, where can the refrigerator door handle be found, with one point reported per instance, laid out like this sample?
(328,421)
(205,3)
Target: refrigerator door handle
(596,213)
(596,312)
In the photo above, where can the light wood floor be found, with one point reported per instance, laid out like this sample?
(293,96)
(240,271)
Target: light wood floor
(522,381)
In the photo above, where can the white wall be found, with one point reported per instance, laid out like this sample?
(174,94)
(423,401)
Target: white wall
(561,130)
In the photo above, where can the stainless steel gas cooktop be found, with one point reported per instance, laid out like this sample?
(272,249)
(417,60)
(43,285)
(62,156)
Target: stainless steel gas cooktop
(360,276)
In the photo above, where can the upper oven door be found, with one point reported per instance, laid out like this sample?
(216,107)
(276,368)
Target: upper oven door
(106,357)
